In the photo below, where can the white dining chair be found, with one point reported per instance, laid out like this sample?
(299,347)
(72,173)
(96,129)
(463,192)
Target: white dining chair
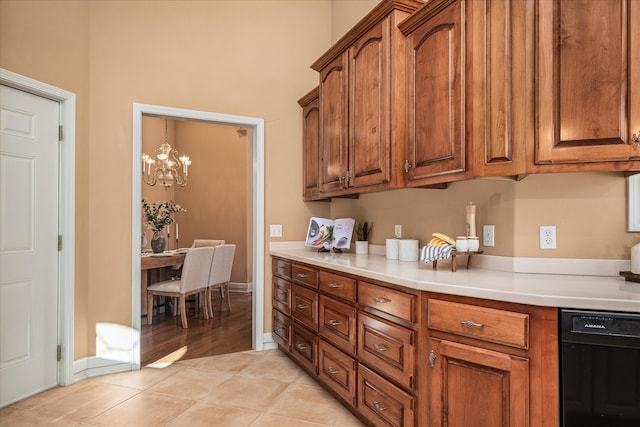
(194,280)
(220,273)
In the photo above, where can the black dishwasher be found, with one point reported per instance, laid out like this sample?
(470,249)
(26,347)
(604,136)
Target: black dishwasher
(600,368)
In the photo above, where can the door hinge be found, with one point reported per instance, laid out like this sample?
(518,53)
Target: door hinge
(59,353)
(59,242)
(60,133)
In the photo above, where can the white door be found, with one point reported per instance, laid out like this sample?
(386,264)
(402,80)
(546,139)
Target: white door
(29,150)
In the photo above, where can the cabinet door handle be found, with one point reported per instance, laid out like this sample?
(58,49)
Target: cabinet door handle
(333,322)
(379,407)
(333,285)
(302,347)
(332,371)
(302,306)
(407,165)
(382,300)
(432,358)
(281,328)
(302,275)
(380,347)
(472,323)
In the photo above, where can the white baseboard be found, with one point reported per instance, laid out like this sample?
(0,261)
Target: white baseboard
(241,287)
(268,342)
(94,366)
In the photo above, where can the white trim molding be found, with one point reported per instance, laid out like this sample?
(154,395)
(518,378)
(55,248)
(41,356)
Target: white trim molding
(66,225)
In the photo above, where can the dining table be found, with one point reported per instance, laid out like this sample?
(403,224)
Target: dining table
(156,268)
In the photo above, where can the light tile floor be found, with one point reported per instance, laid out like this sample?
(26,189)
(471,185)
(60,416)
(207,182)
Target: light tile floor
(257,389)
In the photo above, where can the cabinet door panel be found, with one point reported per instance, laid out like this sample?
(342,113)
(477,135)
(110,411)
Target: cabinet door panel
(282,295)
(436,136)
(333,125)
(583,77)
(338,323)
(304,306)
(310,148)
(281,330)
(338,371)
(369,138)
(474,387)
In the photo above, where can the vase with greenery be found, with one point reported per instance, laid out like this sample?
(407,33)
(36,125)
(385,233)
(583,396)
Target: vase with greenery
(157,216)
(362,232)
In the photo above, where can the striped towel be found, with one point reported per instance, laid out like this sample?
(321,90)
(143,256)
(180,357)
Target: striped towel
(432,253)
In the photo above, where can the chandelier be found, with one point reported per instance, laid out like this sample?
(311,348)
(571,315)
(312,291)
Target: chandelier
(166,168)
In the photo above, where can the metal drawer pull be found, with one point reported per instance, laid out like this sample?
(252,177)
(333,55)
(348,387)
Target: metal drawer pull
(378,407)
(380,347)
(281,328)
(432,358)
(381,299)
(472,324)
(333,322)
(302,347)
(302,306)
(332,371)
(333,285)
(302,275)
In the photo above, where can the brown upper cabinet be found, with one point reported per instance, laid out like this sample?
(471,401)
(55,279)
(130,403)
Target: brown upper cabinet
(362,104)
(587,99)
(423,94)
(438,111)
(310,104)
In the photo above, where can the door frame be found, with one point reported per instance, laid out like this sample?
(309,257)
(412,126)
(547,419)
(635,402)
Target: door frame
(257,126)
(66,211)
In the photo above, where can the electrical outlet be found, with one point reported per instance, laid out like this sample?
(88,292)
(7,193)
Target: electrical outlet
(275,230)
(547,237)
(398,231)
(488,235)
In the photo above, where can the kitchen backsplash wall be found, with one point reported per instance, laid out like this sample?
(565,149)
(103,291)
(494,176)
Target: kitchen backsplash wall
(588,210)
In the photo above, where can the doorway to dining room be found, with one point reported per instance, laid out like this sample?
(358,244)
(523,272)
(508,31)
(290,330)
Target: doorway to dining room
(211,209)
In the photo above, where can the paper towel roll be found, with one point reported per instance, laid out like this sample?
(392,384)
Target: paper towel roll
(635,259)
(408,250)
(392,248)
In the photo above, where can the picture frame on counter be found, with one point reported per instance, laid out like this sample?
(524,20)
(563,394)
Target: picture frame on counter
(634,202)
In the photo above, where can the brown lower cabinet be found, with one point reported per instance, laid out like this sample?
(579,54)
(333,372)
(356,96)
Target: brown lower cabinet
(396,356)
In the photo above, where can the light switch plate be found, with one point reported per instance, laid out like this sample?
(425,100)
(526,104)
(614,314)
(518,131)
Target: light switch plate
(275,230)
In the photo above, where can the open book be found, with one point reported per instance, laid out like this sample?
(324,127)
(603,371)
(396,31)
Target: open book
(330,233)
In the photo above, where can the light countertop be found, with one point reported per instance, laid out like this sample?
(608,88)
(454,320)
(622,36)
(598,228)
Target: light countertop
(550,290)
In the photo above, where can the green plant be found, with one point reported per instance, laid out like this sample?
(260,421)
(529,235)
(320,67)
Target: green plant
(362,231)
(158,215)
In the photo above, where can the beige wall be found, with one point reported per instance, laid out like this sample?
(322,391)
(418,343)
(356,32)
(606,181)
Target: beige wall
(244,58)
(588,210)
(249,58)
(215,198)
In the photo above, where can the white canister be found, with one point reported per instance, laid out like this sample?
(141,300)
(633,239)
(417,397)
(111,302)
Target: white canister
(362,247)
(473,243)
(635,259)
(392,247)
(408,250)
(462,245)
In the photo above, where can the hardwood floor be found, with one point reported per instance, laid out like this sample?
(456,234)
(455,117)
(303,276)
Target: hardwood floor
(227,332)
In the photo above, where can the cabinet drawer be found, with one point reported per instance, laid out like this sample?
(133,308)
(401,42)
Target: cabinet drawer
(281,329)
(396,303)
(383,403)
(304,275)
(338,323)
(304,306)
(339,286)
(387,347)
(487,324)
(282,295)
(281,268)
(304,348)
(338,371)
